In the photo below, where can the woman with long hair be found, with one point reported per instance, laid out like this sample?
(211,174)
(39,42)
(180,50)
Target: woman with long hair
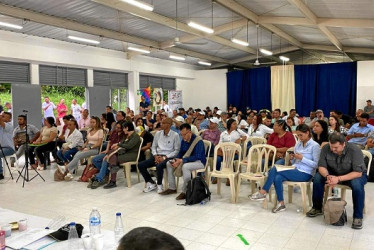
(334,126)
(305,160)
(321,132)
(259,129)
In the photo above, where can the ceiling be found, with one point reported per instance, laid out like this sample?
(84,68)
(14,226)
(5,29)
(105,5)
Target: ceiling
(309,31)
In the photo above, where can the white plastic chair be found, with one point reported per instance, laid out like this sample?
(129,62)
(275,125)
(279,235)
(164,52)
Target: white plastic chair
(127,166)
(262,152)
(229,150)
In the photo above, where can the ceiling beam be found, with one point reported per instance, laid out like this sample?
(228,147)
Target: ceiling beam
(275,52)
(345,22)
(245,12)
(196,54)
(302,21)
(93,30)
(171,23)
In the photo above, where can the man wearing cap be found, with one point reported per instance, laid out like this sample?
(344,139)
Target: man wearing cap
(194,129)
(358,133)
(320,116)
(222,125)
(369,109)
(200,119)
(212,134)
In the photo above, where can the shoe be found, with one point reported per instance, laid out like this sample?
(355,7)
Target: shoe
(214,181)
(168,191)
(314,212)
(279,208)
(257,196)
(1,176)
(150,187)
(69,177)
(95,184)
(357,223)
(181,196)
(228,182)
(160,189)
(111,184)
(90,181)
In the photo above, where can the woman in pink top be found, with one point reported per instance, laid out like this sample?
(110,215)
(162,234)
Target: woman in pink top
(61,109)
(91,147)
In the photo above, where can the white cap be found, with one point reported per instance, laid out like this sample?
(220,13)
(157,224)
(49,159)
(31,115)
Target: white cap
(179,119)
(202,113)
(214,120)
(219,112)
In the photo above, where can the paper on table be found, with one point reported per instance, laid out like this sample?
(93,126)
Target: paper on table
(22,239)
(41,243)
(283,168)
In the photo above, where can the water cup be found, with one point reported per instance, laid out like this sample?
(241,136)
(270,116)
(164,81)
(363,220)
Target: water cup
(87,241)
(22,225)
(98,240)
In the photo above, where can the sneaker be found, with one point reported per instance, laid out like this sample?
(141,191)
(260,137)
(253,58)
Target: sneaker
(95,184)
(150,187)
(168,191)
(279,208)
(1,176)
(90,181)
(314,212)
(357,223)
(257,196)
(160,189)
(69,177)
(111,184)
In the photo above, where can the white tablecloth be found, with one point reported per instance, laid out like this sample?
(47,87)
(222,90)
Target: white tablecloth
(34,222)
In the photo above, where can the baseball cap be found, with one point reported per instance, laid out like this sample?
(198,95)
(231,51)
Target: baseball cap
(179,119)
(202,113)
(219,112)
(214,120)
(139,130)
(319,111)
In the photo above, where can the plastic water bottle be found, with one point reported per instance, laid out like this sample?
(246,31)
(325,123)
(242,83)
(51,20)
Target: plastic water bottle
(203,202)
(73,238)
(336,192)
(95,221)
(118,227)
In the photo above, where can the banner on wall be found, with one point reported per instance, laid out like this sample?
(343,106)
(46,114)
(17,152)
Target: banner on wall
(158,97)
(175,99)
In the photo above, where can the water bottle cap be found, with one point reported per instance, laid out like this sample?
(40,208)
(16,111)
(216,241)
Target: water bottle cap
(118,214)
(72,224)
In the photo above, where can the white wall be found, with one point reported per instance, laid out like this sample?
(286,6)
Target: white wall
(365,82)
(207,89)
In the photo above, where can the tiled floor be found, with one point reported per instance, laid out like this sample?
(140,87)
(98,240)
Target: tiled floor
(211,226)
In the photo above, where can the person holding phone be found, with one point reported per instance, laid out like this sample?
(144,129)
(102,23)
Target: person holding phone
(304,158)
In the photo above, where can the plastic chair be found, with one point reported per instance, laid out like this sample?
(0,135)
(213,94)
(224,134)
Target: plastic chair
(261,152)
(127,166)
(344,188)
(254,140)
(229,150)
(305,187)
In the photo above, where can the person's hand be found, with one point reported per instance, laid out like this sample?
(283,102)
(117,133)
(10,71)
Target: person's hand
(359,135)
(292,156)
(158,159)
(114,146)
(298,156)
(332,180)
(176,163)
(86,149)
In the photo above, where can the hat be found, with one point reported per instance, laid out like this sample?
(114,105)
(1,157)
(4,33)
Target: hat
(219,112)
(179,119)
(202,113)
(63,233)
(163,113)
(319,111)
(214,120)
(139,130)
(368,100)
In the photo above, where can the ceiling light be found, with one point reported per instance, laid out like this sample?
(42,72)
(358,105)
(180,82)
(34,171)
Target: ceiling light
(284,59)
(180,58)
(204,63)
(80,39)
(200,27)
(240,42)
(9,25)
(266,52)
(142,5)
(139,50)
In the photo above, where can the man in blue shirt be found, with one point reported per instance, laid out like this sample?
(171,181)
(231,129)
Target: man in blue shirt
(358,133)
(6,138)
(196,160)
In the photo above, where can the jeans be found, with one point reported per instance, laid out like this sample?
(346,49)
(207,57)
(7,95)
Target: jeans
(358,193)
(279,177)
(151,163)
(68,155)
(280,161)
(7,151)
(220,159)
(103,171)
(97,160)
(186,170)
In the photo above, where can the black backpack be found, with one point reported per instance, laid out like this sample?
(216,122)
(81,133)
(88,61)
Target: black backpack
(197,191)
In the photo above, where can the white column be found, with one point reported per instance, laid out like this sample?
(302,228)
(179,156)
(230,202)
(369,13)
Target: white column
(133,87)
(34,73)
(90,78)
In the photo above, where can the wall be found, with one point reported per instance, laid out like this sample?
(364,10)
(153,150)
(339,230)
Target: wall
(365,82)
(207,89)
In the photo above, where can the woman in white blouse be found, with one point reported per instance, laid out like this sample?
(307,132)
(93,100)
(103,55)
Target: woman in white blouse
(242,123)
(258,129)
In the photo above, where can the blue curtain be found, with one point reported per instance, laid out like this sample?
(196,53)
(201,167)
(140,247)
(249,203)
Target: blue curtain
(249,88)
(327,87)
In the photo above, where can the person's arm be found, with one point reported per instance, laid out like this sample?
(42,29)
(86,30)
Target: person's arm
(147,146)
(312,163)
(76,138)
(267,130)
(177,146)
(129,144)
(198,153)
(155,142)
(217,137)
(36,136)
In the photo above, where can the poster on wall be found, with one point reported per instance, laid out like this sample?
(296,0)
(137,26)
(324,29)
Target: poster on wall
(158,97)
(175,99)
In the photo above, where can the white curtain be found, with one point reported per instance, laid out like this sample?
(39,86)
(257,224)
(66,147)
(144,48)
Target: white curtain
(283,87)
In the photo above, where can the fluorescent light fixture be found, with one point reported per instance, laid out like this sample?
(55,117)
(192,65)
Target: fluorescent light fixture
(266,52)
(284,59)
(180,58)
(204,63)
(9,25)
(140,16)
(201,27)
(139,50)
(142,5)
(240,42)
(80,39)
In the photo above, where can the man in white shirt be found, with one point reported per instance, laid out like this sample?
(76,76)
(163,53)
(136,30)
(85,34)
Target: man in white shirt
(166,145)
(75,110)
(48,108)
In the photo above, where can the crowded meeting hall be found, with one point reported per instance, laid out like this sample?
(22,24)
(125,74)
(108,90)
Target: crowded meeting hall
(195,124)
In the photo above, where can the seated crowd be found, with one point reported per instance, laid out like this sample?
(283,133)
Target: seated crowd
(326,150)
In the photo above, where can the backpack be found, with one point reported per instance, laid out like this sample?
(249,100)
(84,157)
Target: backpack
(334,212)
(88,172)
(197,191)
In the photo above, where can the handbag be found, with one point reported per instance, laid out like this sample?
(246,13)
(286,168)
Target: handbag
(178,170)
(58,176)
(88,172)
